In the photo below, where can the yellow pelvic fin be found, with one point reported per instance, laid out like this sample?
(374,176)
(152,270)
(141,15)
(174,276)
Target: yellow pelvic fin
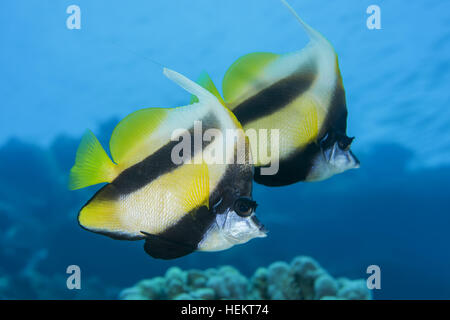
(92,164)
(133,130)
(206,82)
(244,73)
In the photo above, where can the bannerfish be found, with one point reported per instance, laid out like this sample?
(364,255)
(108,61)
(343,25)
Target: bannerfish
(177,207)
(302,95)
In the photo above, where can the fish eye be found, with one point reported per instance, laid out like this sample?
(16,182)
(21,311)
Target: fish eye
(244,207)
(345,142)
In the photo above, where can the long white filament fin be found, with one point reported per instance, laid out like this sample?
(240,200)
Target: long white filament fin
(189,85)
(313,34)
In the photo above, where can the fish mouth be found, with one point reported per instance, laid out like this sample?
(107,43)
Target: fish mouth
(236,229)
(339,158)
(258,223)
(356,162)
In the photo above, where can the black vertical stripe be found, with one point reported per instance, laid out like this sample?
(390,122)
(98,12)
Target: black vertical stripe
(144,172)
(291,170)
(336,119)
(274,97)
(156,164)
(181,238)
(297,166)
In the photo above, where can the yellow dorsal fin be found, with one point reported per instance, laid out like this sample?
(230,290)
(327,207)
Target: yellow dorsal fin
(92,164)
(206,82)
(244,73)
(133,130)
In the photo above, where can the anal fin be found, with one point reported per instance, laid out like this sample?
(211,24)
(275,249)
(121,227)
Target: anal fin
(161,248)
(182,238)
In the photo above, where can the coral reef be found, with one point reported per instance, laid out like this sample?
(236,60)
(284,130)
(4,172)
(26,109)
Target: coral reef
(39,233)
(47,287)
(37,222)
(302,279)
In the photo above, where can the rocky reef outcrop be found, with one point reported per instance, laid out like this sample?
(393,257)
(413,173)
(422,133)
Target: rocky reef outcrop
(301,279)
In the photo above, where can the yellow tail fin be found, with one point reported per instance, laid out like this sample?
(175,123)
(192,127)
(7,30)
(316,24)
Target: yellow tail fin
(92,164)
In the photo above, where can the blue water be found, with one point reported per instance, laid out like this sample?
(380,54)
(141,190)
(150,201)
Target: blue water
(55,83)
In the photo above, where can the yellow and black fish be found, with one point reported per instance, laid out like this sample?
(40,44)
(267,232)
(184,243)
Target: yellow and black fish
(301,94)
(177,207)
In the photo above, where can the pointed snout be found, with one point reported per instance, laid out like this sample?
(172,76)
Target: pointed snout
(355,160)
